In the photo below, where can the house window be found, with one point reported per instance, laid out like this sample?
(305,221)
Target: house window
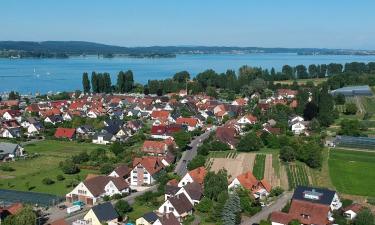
(135,177)
(145,172)
(171,209)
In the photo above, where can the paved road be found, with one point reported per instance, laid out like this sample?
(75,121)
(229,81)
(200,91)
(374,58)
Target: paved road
(266,211)
(188,155)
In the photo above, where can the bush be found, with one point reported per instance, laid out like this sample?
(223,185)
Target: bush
(60,177)
(69,167)
(116,196)
(350,109)
(7,168)
(106,168)
(123,207)
(204,205)
(106,198)
(48,181)
(276,191)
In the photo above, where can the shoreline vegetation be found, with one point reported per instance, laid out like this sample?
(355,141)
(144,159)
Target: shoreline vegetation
(66,49)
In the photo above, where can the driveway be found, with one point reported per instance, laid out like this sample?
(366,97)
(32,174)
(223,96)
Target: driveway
(188,155)
(266,211)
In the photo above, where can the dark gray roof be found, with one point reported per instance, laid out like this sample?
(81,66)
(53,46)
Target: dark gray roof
(105,212)
(7,148)
(171,189)
(194,190)
(353,91)
(150,217)
(181,203)
(316,195)
(106,136)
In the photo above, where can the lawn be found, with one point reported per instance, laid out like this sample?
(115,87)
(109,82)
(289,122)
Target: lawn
(259,165)
(138,210)
(316,81)
(353,172)
(29,173)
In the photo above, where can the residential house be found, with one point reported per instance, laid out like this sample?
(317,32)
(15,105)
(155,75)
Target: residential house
(197,175)
(227,135)
(193,191)
(85,130)
(54,119)
(310,206)
(350,212)
(165,131)
(240,101)
(155,148)
(67,133)
(167,219)
(12,115)
(145,170)
(10,210)
(147,219)
(35,128)
(179,205)
(93,188)
(103,138)
(190,123)
(259,188)
(248,119)
(286,93)
(122,171)
(10,132)
(102,214)
(134,125)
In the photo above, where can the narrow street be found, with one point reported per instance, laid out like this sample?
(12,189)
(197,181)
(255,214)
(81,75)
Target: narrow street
(266,211)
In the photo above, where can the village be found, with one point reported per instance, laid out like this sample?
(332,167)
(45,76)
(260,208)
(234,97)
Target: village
(171,159)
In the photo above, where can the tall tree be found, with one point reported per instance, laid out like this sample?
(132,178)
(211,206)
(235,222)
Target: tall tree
(232,209)
(95,82)
(129,81)
(301,72)
(326,106)
(313,71)
(86,83)
(121,82)
(288,71)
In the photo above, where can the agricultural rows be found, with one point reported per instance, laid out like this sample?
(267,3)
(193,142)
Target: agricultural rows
(297,175)
(259,166)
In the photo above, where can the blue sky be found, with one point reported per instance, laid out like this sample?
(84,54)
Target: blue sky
(263,23)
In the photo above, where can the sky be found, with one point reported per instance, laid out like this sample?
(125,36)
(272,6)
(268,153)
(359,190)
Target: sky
(260,23)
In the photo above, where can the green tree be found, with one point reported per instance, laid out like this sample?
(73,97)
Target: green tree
(106,168)
(287,154)
(211,91)
(181,77)
(86,83)
(350,127)
(294,222)
(69,167)
(182,139)
(25,217)
(301,72)
(364,217)
(214,184)
(196,162)
(288,71)
(205,205)
(326,107)
(249,142)
(340,99)
(122,207)
(13,95)
(121,82)
(95,82)
(129,81)
(116,148)
(231,210)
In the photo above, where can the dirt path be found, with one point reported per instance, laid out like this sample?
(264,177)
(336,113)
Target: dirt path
(269,172)
(283,178)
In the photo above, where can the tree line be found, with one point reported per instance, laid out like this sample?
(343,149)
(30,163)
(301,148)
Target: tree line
(246,80)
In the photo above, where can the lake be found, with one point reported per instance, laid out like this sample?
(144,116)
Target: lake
(43,75)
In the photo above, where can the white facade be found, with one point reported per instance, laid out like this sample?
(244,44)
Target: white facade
(298,128)
(140,176)
(185,180)
(349,214)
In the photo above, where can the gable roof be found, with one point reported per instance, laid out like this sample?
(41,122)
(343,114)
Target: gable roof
(105,212)
(7,148)
(198,174)
(181,203)
(158,147)
(163,114)
(122,170)
(151,164)
(317,213)
(150,217)
(96,184)
(169,219)
(323,196)
(194,190)
(226,135)
(65,133)
(192,122)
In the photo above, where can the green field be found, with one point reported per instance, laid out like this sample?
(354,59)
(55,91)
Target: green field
(353,172)
(259,165)
(29,173)
(316,81)
(297,175)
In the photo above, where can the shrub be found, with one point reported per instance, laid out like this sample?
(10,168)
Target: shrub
(60,177)
(106,168)
(123,207)
(69,167)
(106,198)
(7,168)
(48,181)
(116,196)
(276,191)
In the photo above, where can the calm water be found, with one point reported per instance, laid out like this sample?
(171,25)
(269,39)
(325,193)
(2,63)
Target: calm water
(43,75)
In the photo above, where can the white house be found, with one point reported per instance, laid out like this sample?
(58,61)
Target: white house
(10,133)
(247,120)
(67,117)
(145,170)
(103,138)
(179,205)
(34,128)
(350,212)
(197,175)
(94,188)
(298,128)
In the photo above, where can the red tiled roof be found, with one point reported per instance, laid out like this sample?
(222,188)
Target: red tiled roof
(59,222)
(198,174)
(354,207)
(317,213)
(151,164)
(280,217)
(286,92)
(156,147)
(14,208)
(65,133)
(192,122)
(162,114)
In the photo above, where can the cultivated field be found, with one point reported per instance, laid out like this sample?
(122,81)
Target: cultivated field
(297,175)
(302,81)
(238,163)
(353,172)
(29,173)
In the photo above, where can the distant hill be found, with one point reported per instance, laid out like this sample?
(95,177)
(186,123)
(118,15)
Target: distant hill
(68,48)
